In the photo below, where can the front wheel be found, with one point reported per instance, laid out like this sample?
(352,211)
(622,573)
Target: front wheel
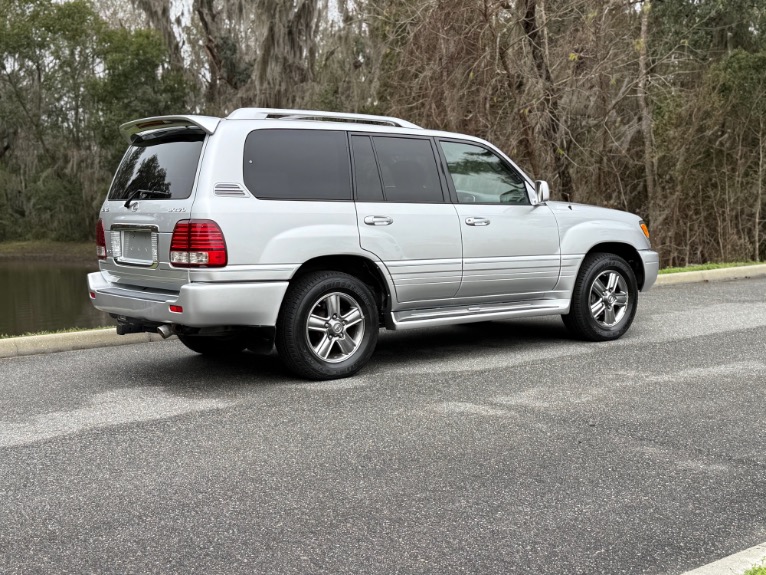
(604,299)
(328,326)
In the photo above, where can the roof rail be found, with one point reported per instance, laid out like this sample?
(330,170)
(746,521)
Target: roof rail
(280,114)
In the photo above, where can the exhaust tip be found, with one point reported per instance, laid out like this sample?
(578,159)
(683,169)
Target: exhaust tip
(164,331)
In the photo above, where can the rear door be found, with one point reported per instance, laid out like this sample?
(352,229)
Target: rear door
(152,190)
(404,217)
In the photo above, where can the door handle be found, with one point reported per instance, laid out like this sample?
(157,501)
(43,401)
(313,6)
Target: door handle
(378,220)
(477,221)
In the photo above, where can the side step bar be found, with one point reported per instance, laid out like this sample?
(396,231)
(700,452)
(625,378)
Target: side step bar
(414,318)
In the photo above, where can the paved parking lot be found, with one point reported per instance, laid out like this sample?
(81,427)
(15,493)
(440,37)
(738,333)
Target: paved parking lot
(488,448)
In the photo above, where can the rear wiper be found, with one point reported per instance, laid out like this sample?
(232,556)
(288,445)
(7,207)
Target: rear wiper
(146,194)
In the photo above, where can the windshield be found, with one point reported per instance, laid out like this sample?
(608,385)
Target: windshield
(160,165)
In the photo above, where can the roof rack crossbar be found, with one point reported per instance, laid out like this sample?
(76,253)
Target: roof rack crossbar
(282,114)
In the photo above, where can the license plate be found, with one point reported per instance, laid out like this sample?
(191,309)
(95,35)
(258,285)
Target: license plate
(138,247)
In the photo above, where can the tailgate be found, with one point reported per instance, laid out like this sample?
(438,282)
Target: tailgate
(152,190)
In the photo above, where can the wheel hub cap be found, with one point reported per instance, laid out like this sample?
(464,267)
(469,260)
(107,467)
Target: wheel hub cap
(336,328)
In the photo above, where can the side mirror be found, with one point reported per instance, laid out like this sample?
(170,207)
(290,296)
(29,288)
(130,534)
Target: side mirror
(543,191)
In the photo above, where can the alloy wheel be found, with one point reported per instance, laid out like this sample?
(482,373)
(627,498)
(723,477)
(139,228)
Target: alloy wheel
(609,298)
(335,327)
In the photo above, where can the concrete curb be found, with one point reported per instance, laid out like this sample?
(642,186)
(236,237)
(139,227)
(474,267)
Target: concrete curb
(733,564)
(712,275)
(55,342)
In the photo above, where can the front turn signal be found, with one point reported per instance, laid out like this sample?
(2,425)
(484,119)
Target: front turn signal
(644,229)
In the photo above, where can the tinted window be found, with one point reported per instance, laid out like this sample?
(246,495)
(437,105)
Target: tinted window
(409,170)
(162,165)
(298,165)
(481,177)
(366,176)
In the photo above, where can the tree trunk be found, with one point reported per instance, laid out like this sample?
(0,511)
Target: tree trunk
(759,196)
(552,129)
(207,17)
(158,14)
(646,118)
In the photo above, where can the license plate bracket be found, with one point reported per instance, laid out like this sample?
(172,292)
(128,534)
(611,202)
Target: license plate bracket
(137,247)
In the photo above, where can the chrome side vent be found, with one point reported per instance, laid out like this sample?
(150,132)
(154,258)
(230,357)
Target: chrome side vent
(229,190)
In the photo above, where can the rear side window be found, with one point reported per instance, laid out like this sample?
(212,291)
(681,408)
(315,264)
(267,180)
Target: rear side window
(298,165)
(160,165)
(408,168)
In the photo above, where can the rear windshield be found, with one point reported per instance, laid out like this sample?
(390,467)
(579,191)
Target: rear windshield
(160,165)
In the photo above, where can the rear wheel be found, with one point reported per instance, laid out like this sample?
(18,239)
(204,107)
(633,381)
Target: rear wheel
(214,345)
(604,299)
(327,326)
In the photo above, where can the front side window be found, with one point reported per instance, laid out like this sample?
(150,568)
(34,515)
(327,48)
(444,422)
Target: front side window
(159,165)
(297,165)
(408,168)
(481,177)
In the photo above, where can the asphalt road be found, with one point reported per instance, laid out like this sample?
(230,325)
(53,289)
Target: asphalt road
(489,448)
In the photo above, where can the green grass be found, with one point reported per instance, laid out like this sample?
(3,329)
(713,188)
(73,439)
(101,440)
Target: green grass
(43,249)
(710,266)
(67,330)
(756,570)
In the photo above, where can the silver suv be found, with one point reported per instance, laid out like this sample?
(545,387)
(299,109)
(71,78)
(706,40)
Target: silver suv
(312,230)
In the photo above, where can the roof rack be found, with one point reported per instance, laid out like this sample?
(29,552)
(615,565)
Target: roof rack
(280,114)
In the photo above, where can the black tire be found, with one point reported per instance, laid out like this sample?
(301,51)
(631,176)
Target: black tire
(315,296)
(214,345)
(595,324)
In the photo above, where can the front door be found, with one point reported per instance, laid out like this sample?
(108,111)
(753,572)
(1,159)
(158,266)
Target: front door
(510,247)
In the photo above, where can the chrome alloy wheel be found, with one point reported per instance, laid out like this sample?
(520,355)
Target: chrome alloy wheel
(609,298)
(335,327)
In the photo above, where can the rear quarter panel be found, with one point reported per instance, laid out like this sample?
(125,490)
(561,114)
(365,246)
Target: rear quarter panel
(266,239)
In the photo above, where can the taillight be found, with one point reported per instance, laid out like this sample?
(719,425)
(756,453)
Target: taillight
(100,241)
(198,244)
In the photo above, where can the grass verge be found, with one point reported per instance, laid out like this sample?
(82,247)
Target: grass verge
(710,266)
(67,330)
(44,249)
(756,570)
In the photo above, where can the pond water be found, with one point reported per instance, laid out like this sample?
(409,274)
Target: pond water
(45,296)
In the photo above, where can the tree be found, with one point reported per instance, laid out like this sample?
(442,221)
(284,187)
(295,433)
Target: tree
(66,82)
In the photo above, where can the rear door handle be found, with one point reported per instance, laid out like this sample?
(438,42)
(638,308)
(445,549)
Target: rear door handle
(378,220)
(477,221)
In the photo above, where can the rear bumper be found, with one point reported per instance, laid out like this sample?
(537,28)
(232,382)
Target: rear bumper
(204,304)
(651,262)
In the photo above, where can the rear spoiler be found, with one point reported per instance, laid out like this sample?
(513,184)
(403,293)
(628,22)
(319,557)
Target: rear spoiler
(207,123)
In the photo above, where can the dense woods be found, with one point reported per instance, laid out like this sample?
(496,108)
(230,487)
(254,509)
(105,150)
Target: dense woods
(657,107)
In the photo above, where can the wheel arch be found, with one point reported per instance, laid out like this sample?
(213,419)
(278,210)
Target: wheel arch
(362,268)
(625,251)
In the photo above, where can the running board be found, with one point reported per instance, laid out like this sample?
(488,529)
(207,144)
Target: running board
(412,318)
